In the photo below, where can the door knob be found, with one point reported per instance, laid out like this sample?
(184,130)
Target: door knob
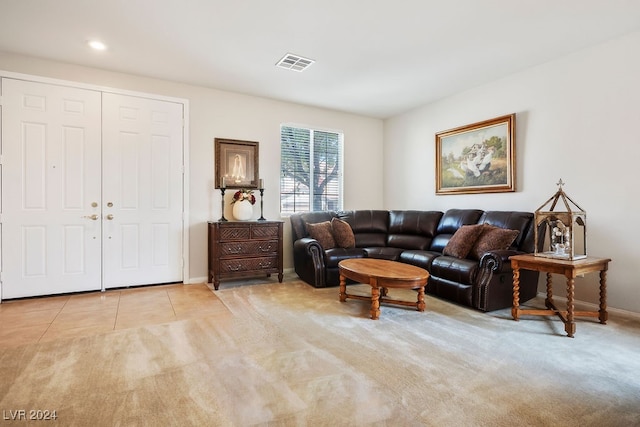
(109,217)
(93,217)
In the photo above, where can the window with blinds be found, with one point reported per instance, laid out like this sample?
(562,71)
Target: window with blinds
(310,170)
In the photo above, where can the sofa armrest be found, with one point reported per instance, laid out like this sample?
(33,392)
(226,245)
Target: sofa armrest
(306,244)
(495,262)
(308,260)
(498,261)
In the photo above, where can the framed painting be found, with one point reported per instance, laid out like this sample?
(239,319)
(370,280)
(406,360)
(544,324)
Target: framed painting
(236,163)
(477,158)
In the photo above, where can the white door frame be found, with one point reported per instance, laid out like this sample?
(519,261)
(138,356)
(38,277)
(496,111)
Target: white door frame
(185,148)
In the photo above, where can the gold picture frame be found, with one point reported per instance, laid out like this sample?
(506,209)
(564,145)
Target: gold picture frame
(237,163)
(477,158)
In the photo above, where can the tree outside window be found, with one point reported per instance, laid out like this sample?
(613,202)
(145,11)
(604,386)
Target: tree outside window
(311,170)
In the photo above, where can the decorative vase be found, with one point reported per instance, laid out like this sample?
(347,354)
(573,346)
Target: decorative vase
(243,210)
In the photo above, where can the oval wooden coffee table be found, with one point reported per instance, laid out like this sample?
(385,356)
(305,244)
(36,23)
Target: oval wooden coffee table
(382,274)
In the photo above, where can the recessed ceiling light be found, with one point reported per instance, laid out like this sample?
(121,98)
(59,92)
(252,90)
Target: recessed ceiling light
(294,62)
(97,45)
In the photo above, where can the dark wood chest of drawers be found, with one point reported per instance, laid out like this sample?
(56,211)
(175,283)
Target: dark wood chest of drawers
(243,249)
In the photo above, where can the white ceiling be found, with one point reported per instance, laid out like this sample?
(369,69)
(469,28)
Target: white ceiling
(377,58)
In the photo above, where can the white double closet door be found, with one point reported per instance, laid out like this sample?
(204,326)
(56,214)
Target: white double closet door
(92,190)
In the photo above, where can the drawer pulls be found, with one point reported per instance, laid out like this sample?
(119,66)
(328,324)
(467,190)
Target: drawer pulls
(231,250)
(238,267)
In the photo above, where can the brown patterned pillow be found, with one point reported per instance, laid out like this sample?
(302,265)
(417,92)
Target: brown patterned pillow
(462,241)
(321,231)
(493,238)
(343,234)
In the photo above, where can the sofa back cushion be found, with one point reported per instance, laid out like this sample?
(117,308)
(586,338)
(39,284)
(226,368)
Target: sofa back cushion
(450,222)
(513,220)
(299,222)
(370,227)
(412,229)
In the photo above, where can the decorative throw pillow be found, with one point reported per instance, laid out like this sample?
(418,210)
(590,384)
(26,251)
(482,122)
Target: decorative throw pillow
(493,238)
(321,231)
(462,241)
(343,234)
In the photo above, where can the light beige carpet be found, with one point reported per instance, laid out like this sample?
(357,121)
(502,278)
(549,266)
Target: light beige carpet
(291,355)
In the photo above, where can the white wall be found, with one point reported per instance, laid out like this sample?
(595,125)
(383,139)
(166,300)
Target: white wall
(215,113)
(577,119)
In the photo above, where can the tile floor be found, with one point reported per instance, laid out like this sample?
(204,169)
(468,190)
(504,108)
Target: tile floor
(41,319)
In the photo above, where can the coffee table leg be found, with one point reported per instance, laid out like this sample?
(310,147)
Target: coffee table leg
(375,300)
(343,288)
(421,304)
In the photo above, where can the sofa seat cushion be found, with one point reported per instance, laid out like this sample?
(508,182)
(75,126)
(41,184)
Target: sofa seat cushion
(383,252)
(422,259)
(333,256)
(459,270)
(450,290)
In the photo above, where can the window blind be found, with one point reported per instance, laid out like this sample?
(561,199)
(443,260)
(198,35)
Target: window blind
(311,170)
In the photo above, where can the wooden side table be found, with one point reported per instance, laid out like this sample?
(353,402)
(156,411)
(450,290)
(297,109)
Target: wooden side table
(244,248)
(569,269)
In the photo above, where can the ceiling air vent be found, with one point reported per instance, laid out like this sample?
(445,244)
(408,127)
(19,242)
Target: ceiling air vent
(294,62)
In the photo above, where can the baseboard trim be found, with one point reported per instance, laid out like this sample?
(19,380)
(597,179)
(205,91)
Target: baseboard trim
(204,279)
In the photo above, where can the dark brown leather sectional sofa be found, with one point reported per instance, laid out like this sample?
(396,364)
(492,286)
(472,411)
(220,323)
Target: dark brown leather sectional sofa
(419,238)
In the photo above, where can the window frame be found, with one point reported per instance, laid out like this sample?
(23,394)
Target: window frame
(340,177)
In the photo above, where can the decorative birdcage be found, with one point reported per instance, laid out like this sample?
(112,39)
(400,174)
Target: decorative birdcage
(566,230)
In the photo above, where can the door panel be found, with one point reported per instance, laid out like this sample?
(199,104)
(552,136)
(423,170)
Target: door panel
(51,142)
(142,191)
(91,190)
